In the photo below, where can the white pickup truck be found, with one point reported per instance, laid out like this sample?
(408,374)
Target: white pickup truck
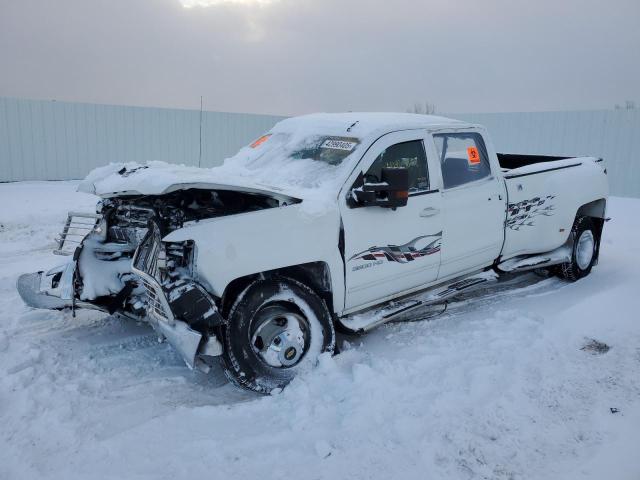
(329,220)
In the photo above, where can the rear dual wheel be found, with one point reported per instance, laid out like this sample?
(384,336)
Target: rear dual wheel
(277,328)
(585,247)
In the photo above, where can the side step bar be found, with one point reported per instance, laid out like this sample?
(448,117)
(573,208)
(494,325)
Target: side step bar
(367,320)
(532,262)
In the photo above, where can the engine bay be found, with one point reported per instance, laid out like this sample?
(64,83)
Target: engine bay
(172,210)
(104,261)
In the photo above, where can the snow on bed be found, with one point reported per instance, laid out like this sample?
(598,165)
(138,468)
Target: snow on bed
(505,385)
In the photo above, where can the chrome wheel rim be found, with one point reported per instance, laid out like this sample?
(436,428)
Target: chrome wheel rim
(280,338)
(585,249)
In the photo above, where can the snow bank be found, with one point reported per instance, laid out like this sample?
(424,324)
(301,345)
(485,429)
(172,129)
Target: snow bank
(32,214)
(497,387)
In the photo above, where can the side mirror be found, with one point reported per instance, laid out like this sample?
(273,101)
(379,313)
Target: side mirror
(392,191)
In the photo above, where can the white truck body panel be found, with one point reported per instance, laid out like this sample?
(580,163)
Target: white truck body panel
(299,206)
(468,220)
(543,202)
(473,217)
(372,270)
(239,245)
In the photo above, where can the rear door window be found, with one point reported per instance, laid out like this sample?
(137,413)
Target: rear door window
(463,158)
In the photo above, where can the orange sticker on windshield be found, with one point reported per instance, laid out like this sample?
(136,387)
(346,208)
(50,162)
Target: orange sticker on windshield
(260,141)
(473,155)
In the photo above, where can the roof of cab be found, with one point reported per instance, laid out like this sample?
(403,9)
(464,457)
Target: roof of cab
(364,124)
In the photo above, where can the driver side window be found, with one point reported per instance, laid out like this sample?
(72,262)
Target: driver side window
(410,155)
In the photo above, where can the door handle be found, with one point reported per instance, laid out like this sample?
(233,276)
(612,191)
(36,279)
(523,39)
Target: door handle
(429,212)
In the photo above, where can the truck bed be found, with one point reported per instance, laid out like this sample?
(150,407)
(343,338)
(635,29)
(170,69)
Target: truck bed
(517,165)
(516,160)
(543,197)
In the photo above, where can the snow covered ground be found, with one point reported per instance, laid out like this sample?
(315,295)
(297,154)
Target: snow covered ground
(498,387)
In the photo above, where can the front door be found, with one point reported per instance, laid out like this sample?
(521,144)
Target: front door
(389,252)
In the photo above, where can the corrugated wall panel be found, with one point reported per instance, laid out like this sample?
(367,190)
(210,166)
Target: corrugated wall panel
(47,140)
(5,148)
(613,135)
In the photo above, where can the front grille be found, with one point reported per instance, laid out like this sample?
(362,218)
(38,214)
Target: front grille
(146,264)
(156,304)
(149,253)
(130,235)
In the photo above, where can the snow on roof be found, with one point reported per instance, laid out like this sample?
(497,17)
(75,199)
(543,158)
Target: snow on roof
(364,124)
(276,162)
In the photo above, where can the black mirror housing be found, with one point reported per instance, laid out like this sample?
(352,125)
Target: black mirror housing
(391,192)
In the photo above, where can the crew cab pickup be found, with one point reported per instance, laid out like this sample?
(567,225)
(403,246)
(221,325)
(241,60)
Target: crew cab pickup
(327,221)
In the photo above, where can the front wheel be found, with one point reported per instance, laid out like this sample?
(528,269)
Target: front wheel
(276,328)
(585,247)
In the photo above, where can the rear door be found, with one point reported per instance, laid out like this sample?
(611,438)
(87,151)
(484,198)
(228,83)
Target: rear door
(389,252)
(473,203)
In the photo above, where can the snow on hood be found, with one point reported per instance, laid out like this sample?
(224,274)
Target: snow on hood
(308,157)
(156,178)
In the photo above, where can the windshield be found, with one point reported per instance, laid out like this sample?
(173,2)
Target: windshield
(293,159)
(322,148)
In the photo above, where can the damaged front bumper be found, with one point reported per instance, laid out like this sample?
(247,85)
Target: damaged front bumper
(188,342)
(174,311)
(183,314)
(52,290)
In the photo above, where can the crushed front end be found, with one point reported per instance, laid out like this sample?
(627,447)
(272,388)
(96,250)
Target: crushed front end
(118,263)
(176,305)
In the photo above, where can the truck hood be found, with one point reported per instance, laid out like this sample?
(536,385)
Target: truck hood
(157,178)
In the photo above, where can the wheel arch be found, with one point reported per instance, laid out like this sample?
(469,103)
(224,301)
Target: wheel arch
(596,210)
(315,275)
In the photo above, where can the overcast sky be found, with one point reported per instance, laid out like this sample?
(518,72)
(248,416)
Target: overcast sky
(299,56)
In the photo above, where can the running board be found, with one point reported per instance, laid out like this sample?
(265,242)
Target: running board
(369,319)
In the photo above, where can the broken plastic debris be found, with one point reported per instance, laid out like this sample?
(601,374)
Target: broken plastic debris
(595,347)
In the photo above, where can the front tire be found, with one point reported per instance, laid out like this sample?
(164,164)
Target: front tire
(585,248)
(277,328)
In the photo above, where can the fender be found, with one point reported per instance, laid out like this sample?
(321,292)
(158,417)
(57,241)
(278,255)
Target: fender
(250,243)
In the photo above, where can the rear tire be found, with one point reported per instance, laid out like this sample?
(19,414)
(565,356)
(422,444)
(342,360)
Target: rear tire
(585,247)
(277,328)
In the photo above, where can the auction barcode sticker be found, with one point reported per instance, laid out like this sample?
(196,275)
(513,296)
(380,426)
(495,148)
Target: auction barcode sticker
(337,144)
